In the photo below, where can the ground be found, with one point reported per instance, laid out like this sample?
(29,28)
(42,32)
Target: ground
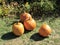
(29,37)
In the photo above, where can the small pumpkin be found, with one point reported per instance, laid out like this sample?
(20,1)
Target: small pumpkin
(30,24)
(25,16)
(18,29)
(45,30)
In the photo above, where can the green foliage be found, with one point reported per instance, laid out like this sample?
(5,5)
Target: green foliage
(27,6)
(1,11)
(42,8)
(6,10)
(47,6)
(32,6)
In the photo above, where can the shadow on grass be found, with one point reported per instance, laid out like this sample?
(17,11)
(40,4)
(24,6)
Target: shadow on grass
(8,36)
(27,31)
(37,37)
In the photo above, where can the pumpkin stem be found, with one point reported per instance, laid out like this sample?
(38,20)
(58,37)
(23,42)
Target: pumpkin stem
(17,22)
(44,23)
(24,11)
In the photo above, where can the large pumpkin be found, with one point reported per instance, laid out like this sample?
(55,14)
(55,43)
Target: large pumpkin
(25,16)
(18,29)
(45,30)
(30,24)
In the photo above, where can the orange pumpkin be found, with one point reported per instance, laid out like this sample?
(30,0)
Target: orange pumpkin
(30,24)
(45,30)
(18,29)
(25,16)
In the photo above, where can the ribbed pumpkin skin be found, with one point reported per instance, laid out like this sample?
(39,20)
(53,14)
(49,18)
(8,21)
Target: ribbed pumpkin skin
(30,24)
(45,30)
(25,16)
(18,29)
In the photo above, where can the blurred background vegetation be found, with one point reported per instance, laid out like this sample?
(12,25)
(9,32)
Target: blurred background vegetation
(37,8)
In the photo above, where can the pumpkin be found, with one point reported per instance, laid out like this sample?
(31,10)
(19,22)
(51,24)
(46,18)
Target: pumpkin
(45,30)
(30,24)
(18,29)
(25,16)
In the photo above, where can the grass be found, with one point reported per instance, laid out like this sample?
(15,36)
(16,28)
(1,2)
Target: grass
(29,37)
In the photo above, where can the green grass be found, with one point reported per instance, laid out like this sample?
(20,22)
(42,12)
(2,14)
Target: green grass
(29,37)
